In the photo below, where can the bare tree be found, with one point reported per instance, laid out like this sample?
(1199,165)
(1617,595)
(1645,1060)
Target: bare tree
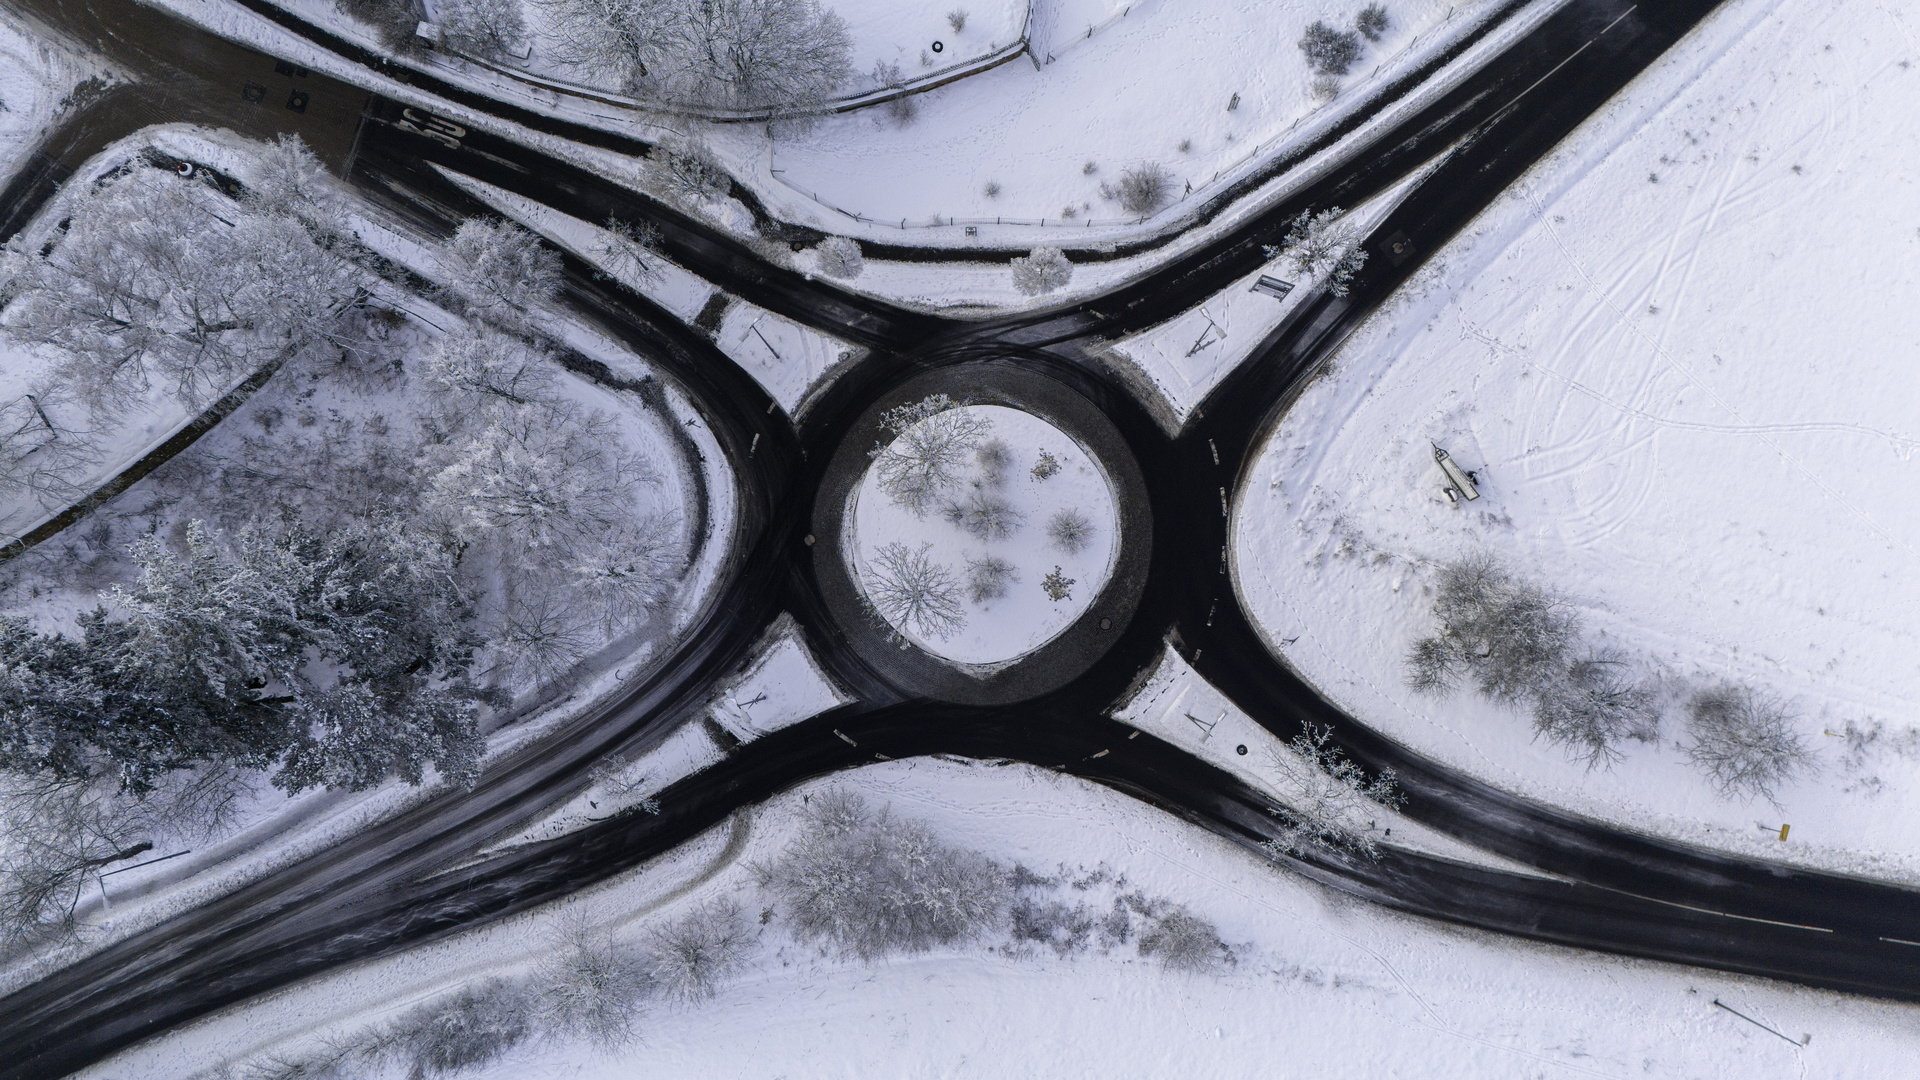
(631,38)
(631,249)
(485,28)
(1318,245)
(988,578)
(1328,796)
(931,440)
(688,958)
(873,884)
(1512,636)
(840,257)
(40,454)
(686,169)
(1145,187)
(1070,531)
(784,54)
(501,274)
(910,589)
(1591,706)
(477,359)
(1043,270)
(1372,22)
(985,515)
(1743,740)
(995,461)
(1330,51)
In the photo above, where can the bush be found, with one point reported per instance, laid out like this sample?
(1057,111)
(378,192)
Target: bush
(1070,531)
(1043,270)
(839,257)
(1145,187)
(1743,739)
(873,884)
(1182,941)
(687,169)
(485,28)
(474,1027)
(688,958)
(588,989)
(957,18)
(1330,51)
(394,20)
(1372,22)
(994,459)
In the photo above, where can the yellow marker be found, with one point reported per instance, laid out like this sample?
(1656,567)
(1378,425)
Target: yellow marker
(1783,833)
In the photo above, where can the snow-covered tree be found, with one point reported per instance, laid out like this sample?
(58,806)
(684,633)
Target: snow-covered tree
(160,276)
(1328,797)
(1319,245)
(39,454)
(591,988)
(911,589)
(932,438)
(873,884)
(781,54)
(501,274)
(1069,530)
(1042,270)
(840,258)
(477,359)
(1511,636)
(685,169)
(485,28)
(688,957)
(1591,706)
(631,249)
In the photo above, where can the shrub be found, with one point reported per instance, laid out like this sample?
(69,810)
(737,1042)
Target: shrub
(1070,531)
(589,989)
(957,18)
(1372,22)
(1330,51)
(994,459)
(985,516)
(839,257)
(688,958)
(687,169)
(1144,187)
(1057,586)
(1512,636)
(1592,705)
(473,1027)
(872,884)
(1182,941)
(1743,739)
(1042,271)
(1046,466)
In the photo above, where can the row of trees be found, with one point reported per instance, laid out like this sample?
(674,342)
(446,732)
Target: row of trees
(1520,645)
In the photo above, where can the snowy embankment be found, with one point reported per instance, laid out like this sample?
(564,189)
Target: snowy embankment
(1678,355)
(1328,986)
(792,362)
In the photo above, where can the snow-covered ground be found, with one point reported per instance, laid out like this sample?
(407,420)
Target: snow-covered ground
(999,629)
(1029,143)
(1321,986)
(1679,355)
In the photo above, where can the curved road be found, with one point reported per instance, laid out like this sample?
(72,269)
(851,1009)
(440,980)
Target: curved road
(383,890)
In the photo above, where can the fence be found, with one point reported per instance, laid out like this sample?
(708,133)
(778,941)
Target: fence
(1260,149)
(1092,28)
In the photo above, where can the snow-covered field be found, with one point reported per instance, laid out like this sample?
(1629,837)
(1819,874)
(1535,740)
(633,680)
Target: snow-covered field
(996,629)
(1154,86)
(1320,986)
(1680,356)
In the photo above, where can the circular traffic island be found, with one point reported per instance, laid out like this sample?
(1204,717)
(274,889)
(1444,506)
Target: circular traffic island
(982,540)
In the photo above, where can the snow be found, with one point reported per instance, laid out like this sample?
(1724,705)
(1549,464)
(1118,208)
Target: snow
(38,72)
(792,362)
(1000,630)
(1184,358)
(1322,985)
(1678,355)
(1159,77)
(783,684)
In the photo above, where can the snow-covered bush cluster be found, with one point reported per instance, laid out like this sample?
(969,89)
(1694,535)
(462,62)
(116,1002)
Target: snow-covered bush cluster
(1042,270)
(781,54)
(1332,52)
(1521,646)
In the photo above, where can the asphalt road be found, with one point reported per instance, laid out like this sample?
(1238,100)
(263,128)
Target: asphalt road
(383,890)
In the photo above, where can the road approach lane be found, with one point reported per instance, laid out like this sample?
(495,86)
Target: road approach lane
(380,896)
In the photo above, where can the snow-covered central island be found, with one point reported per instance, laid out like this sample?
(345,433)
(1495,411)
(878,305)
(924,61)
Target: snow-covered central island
(1004,556)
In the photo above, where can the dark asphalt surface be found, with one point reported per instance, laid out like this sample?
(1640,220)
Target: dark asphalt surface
(1623,892)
